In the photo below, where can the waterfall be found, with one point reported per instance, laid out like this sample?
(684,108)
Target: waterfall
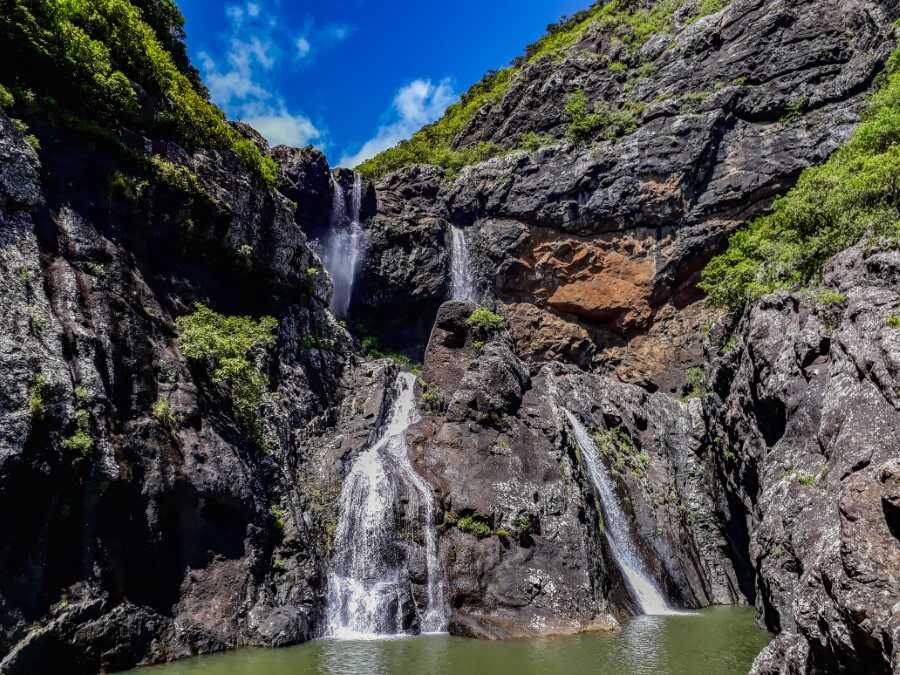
(461,267)
(618,533)
(368,584)
(343,248)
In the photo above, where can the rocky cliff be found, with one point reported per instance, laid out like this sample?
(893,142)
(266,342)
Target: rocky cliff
(179,409)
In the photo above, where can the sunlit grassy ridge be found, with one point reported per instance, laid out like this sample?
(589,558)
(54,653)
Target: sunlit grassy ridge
(855,193)
(116,62)
(436,143)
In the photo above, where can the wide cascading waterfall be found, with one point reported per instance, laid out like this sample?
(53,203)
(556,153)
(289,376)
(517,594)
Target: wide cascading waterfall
(617,529)
(369,588)
(343,249)
(462,278)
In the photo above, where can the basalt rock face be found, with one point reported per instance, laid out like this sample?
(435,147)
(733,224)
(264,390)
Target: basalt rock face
(405,274)
(610,239)
(522,546)
(803,411)
(158,540)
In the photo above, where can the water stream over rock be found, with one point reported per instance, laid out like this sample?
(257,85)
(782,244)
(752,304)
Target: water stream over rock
(463,281)
(369,587)
(343,248)
(617,529)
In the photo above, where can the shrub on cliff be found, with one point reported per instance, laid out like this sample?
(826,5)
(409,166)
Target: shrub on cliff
(227,344)
(856,192)
(485,322)
(586,124)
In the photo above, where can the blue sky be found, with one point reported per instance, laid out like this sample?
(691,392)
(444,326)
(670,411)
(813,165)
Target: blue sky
(354,76)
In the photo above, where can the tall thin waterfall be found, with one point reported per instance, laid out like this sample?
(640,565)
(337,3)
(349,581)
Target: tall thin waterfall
(618,534)
(369,585)
(343,250)
(461,267)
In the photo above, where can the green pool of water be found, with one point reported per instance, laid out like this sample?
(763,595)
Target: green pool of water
(720,641)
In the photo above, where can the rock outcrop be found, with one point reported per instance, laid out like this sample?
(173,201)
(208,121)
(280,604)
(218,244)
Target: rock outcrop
(610,239)
(803,407)
(523,544)
(154,537)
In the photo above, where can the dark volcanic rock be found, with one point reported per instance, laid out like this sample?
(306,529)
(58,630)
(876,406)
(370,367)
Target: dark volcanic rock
(611,238)
(502,457)
(306,181)
(157,542)
(804,409)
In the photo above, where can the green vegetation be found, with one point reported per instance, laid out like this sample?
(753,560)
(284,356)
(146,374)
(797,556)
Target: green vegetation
(130,187)
(176,176)
(532,141)
(95,56)
(502,533)
(81,441)
(227,345)
(162,413)
(893,321)
(320,343)
(624,21)
(731,344)
(37,399)
(372,348)
(36,320)
(618,449)
(474,525)
(694,382)
(832,207)
(794,111)
(603,121)
(805,479)
(279,515)
(7,100)
(433,401)
(434,143)
(707,7)
(485,322)
(523,525)
(826,296)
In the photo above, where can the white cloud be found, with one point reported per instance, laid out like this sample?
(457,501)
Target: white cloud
(282,128)
(303,47)
(235,14)
(336,32)
(243,87)
(418,103)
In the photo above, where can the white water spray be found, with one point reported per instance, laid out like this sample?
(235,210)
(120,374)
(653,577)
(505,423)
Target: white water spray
(616,527)
(463,283)
(369,585)
(343,250)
